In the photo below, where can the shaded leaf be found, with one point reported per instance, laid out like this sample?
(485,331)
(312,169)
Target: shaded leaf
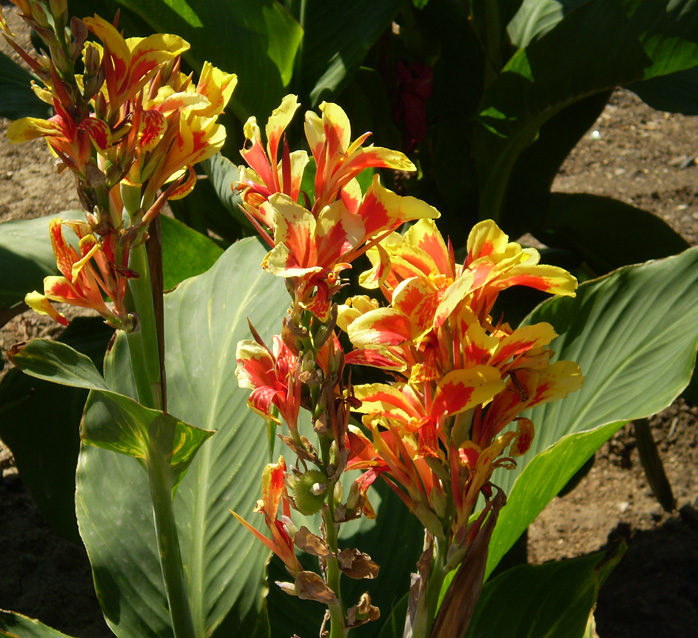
(552,600)
(607,233)
(40,422)
(675,93)
(15,625)
(644,38)
(337,38)
(16,97)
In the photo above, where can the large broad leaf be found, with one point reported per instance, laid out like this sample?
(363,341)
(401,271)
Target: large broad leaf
(337,37)
(606,233)
(205,317)
(255,39)
(112,421)
(185,252)
(634,334)
(16,97)
(15,625)
(39,422)
(552,600)
(599,45)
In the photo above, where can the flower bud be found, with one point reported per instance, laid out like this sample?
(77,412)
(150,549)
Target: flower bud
(309,490)
(38,14)
(58,7)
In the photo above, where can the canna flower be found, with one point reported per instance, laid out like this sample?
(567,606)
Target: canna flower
(178,128)
(71,141)
(424,411)
(129,63)
(272,377)
(316,249)
(273,494)
(338,160)
(269,172)
(87,275)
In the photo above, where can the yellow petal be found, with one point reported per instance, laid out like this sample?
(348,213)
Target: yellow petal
(29,128)
(217,86)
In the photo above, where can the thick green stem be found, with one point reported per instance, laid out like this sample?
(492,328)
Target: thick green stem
(338,627)
(143,341)
(168,542)
(145,363)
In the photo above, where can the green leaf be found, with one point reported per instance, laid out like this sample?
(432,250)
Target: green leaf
(120,424)
(257,40)
(59,363)
(675,93)
(536,17)
(634,334)
(15,625)
(205,317)
(600,45)
(112,421)
(552,600)
(16,97)
(40,422)
(186,253)
(607,233)
(337,38)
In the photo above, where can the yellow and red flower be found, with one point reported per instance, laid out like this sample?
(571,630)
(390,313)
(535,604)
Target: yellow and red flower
(272,377)
(87,275)
(315,249)
(129,63)
(274,494)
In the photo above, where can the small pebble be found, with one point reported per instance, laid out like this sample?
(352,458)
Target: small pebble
(623,507)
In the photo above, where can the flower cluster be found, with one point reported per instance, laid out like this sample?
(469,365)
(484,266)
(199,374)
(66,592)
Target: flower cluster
(437,434)
(460,380)
(128,126)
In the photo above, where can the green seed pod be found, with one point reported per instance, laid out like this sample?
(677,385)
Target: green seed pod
(309,491)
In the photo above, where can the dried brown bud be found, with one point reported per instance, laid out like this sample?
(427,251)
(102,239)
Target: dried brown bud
(310,543)
(310,586)
(356,564)
(363,612)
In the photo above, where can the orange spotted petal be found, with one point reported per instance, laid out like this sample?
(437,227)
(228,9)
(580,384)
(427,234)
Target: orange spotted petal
(556,382)
(485,239)
(382,210)
(29,128)
(525,431)
(461,390)
(273,486)
(384,326)
(217,86)
(394,401)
